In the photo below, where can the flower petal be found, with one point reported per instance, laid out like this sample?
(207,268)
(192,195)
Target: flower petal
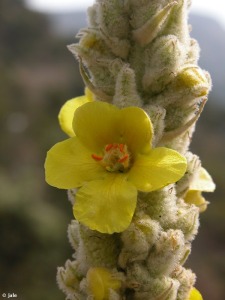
(67,111)
(95,124)
(136,129)
(161,167)
(203,182)
(196,198)
(195,295)
(106,205)
(100,281)
(69,165)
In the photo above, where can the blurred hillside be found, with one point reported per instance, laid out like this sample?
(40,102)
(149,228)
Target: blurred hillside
(37,75)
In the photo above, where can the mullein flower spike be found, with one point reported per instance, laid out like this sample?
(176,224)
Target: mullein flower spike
(134,186)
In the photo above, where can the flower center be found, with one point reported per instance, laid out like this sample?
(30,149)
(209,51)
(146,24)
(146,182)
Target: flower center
(116,158)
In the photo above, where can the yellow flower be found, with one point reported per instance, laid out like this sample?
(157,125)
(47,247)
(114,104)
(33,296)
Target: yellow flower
(202,183)
(110,158)
(67,111)
(195,295)
(100,281)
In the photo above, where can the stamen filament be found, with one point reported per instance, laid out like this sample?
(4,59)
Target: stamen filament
(108,147)
(123,159)
(122,148)
(97,157)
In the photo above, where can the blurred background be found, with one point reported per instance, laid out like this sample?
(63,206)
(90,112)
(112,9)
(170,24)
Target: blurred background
(38,74)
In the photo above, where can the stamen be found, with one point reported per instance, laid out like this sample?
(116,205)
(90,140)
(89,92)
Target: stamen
(122,148)
(96,157)
(108,147)
(123,159)
(116,158)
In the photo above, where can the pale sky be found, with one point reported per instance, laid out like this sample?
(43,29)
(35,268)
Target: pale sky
(213,8)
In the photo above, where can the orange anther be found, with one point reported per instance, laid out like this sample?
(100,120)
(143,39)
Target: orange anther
(123,159)
(96,157)
(108,147)
(121,147)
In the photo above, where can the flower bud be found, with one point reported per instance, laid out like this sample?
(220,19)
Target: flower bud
(166,253)
(68,278)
